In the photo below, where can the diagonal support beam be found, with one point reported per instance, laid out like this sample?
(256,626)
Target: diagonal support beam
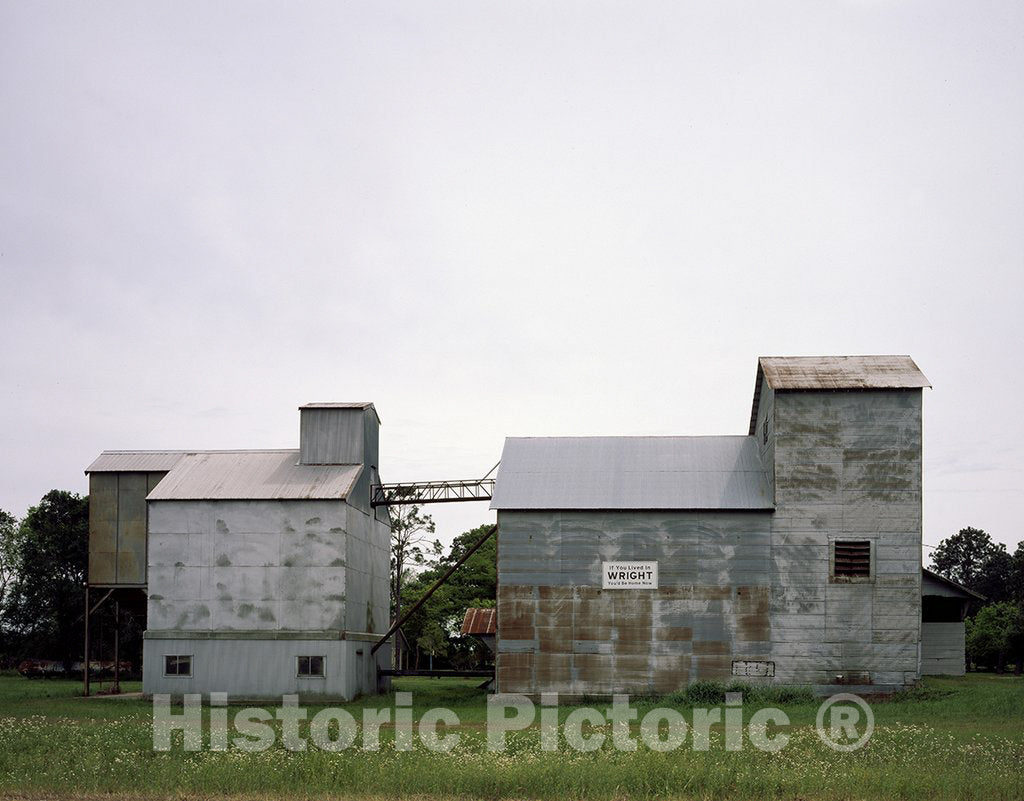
(398,623)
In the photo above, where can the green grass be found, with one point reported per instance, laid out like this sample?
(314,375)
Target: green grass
(955,738)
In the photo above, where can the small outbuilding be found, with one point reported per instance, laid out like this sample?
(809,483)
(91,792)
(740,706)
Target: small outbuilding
(944,606)
(482,624)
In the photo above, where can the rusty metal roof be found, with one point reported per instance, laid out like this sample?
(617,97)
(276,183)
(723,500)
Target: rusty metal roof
(835,372)
(479,621)
(841,372)
(631,473)
(253,475)
(135,461)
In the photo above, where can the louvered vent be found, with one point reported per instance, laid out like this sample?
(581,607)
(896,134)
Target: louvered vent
(853,558)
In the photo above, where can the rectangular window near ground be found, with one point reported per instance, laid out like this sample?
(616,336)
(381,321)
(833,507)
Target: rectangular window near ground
(177,665)
(310,667)
(851,560)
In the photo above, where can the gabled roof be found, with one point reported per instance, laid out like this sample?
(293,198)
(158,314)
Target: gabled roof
(951,587)
(631,473)
(479,621)
(253,475)
(835,373)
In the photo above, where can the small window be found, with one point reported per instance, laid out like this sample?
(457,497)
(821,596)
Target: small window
(310,666)
(764,430)
(177,665)
(852,559)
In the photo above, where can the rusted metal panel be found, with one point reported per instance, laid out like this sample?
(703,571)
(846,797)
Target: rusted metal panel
(588,640)
(118,526)
(841,372)
(479,621)
(102,528)
(131,528)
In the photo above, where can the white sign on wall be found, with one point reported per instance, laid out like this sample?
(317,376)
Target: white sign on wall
(629,575)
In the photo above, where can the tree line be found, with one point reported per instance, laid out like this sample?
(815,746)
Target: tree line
(43,563)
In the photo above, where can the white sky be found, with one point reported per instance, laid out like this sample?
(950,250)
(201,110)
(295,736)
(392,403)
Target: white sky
(503,219)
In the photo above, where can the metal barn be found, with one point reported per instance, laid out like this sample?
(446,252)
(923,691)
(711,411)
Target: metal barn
(790,555)
(266,572)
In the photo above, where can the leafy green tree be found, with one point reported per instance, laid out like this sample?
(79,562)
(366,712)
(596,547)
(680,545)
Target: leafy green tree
(970,557)
(995,580)
(9,550)
(44,604)
(475,583)
(1016,588)
(433,639)
(996,635)
(411,546)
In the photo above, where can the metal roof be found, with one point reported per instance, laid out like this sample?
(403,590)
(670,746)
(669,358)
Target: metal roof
(253,475)
(842,372)
(135,461)
(631,473)
(479,621)
(350,405)
(957,587)
(835,372)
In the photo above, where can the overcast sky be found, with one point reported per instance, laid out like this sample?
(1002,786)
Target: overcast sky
(499,219)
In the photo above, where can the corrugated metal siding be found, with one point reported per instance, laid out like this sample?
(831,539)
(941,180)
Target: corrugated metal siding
(631,473)
(842,372)
(479,621)
(351,405)
(253,475)
(332,435)
(135,461)
(118,528)
(560,632)
(847,467)
(942,649)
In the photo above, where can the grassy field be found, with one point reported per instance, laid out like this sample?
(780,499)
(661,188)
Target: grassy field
(952,739)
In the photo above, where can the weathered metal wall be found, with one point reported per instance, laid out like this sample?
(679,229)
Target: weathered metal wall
(118,526)
(942,649)
(559,631)
(764,432)
(754,588)
(263,572)
(263,668)
(367,576)
(247,565)
(847,465)
(332,435)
